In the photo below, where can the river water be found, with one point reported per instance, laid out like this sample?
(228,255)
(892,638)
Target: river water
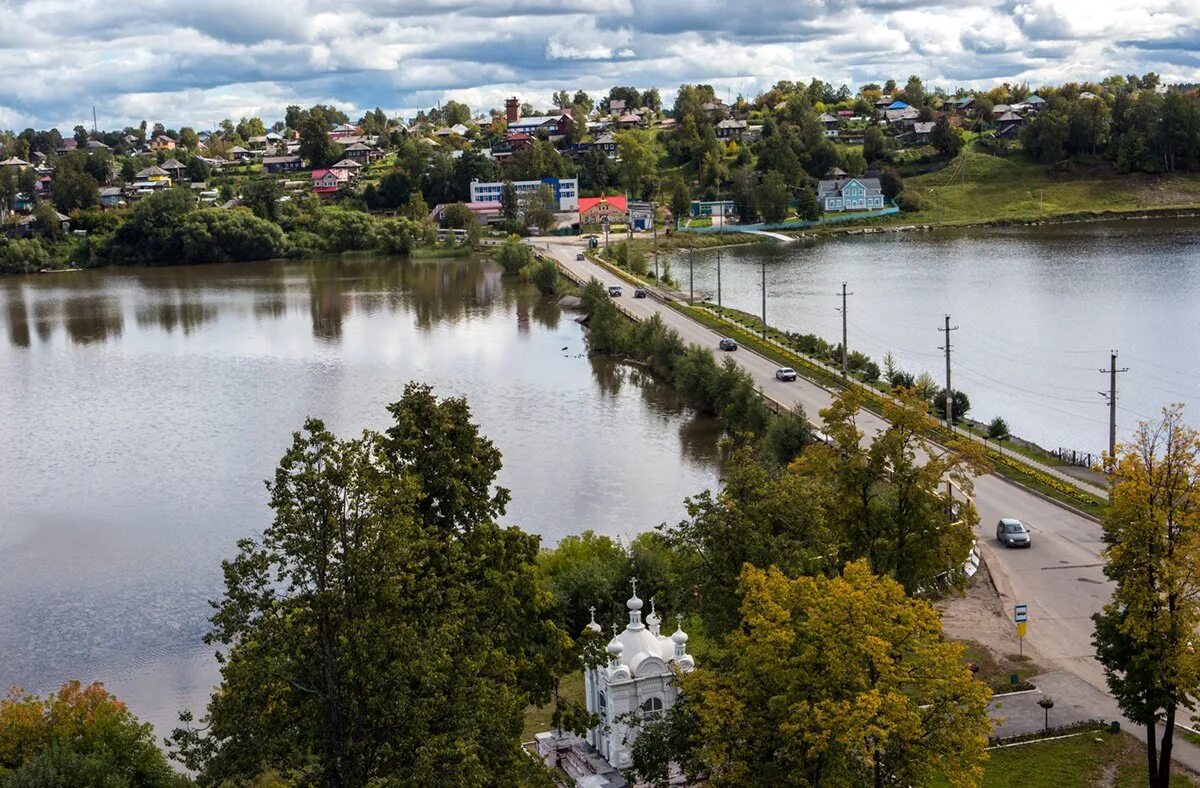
(141,410)
(1037,311)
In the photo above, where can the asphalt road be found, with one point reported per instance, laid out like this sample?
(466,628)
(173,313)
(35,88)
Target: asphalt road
(1059,577)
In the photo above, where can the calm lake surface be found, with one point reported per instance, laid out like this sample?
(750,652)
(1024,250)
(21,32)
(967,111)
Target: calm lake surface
(141,410)
(1037,308)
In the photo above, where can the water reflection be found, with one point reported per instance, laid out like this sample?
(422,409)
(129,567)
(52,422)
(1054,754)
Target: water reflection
(127,475)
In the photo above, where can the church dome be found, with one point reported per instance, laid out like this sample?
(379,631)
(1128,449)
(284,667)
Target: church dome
(615,647)
(679,637)
(634,603)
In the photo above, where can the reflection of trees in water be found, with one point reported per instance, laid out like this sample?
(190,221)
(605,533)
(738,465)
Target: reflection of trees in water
(17,316)
(185,313)
(45,317)
(699,434)
(92,318)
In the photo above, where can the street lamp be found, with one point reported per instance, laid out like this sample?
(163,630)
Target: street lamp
(1047,703)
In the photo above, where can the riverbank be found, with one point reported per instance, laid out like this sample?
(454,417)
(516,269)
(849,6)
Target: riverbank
(982,190)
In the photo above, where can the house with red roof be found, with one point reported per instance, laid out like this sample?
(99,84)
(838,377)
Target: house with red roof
(325,182)
(596,210)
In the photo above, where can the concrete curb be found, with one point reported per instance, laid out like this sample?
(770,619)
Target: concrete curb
(1049,499)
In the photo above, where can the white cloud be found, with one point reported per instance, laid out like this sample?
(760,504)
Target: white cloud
(191,64)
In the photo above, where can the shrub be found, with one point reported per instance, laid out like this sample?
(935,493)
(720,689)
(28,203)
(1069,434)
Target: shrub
(962,404)
(345,230)
(218,236)
(544,275)
(514,256)
(23,256)
(910,201)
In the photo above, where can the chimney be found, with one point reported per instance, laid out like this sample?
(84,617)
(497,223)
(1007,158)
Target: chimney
(512,110)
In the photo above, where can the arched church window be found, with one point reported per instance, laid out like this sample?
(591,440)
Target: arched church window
(652,707)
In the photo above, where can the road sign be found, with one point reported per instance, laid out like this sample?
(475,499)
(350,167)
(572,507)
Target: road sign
(1021,629)
(1021,613)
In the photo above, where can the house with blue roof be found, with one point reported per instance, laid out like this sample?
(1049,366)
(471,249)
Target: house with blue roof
(897,104)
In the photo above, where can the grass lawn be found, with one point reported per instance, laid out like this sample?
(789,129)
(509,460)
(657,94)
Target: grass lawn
(995,670)
(537,718)
(979,187)
(1091,759)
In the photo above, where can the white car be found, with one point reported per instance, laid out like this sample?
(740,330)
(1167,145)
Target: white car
(786,374)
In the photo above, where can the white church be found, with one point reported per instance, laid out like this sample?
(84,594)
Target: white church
(637,683)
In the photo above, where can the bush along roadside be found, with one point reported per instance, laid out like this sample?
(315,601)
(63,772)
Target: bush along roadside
(722,390)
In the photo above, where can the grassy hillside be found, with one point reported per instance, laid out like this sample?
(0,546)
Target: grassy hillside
(978,187)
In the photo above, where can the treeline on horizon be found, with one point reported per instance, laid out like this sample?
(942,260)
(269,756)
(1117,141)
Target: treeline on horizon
(1130,122)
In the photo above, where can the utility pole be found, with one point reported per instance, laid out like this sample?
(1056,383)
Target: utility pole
(949,390)
(845,352)
(1111,396)
(691,279)
(764,299)
(654,224)
(720,242)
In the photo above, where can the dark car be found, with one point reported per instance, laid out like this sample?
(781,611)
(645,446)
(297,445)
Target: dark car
(727,344)
(1011,532)
(639,293)
(580,256)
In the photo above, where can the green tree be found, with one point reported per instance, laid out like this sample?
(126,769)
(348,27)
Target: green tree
(23,256)
(510,203)
(539,206)
(315,145)
(513,255)
(262,197)
(873,146)
(772,197)
(1145,634)
(961,402)
(900,708)
(392,191)
(638,153)
(997,429)
(891,183)
(346,230)
(853,162)
(808,207)
(78,737)
(214,235)
(681,199)
(384,628)
(455,112)
(946,139)
(188,138)
(75,189)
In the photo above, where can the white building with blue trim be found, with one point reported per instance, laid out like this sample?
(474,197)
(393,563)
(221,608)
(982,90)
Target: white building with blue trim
(566,191)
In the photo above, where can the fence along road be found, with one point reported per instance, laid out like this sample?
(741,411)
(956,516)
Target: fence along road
(1060,577)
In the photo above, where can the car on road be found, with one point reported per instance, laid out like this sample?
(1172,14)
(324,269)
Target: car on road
(615,291)
(1011,532)
(785,374)
(579,256)
(639,293)
(727,344)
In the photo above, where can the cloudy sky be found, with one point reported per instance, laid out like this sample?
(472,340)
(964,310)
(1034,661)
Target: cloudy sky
(194,63)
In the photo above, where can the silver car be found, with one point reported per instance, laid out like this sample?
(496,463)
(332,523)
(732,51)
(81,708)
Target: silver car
(1013,533)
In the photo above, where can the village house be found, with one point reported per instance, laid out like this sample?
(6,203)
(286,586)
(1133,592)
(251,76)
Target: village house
(1008,124)
(162,142)
(344,131)
(111,197)
(607,143)
(730,129)
(347,169)
(603,210)
(904,116)
(850,194)
(325,182)
(14,163)
(153,174)
(641,216)
(275,164)
(830,123)
(616,107)
(173,168)
(628,121)
(241,154)
(361,152)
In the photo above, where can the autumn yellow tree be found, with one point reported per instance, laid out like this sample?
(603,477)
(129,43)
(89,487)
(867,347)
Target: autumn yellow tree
(78,736)
(836,681)
(1145,637)
(890,498)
